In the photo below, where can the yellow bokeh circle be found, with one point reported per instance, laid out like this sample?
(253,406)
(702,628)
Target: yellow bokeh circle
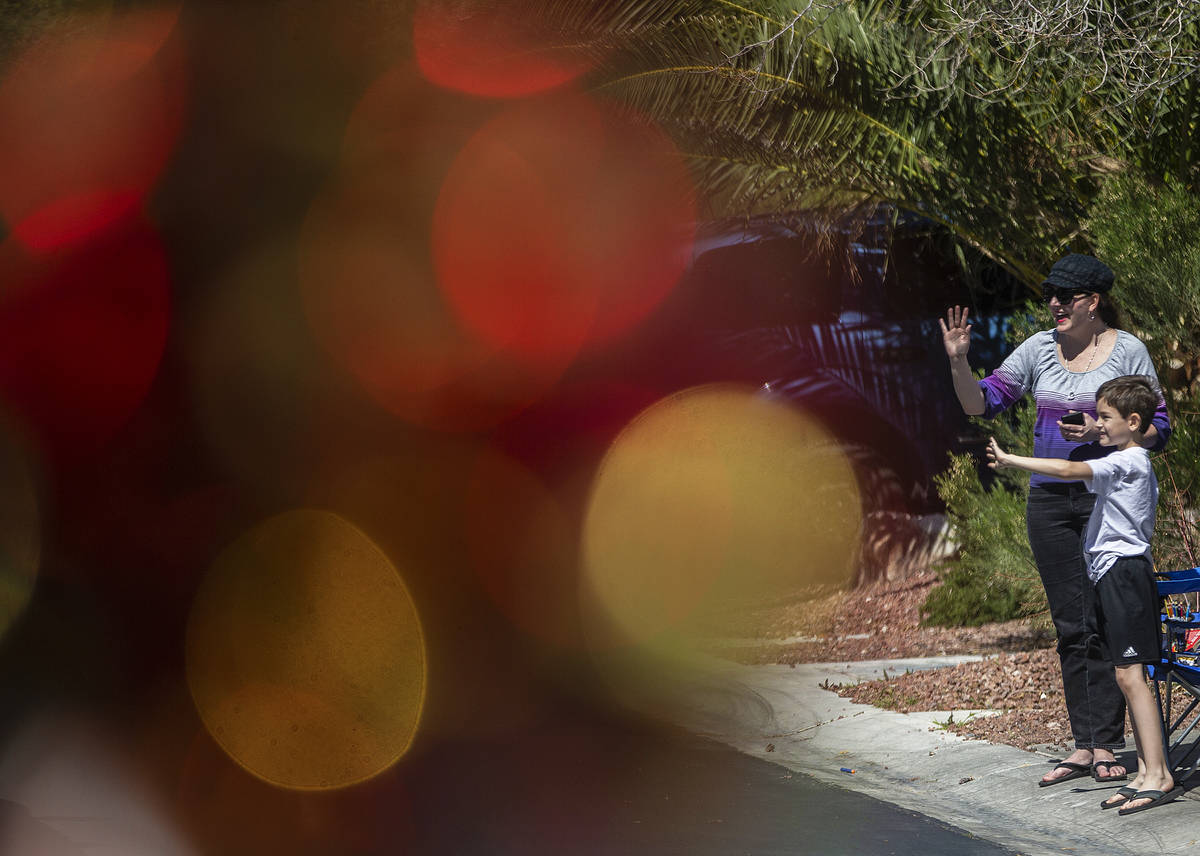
(305,655)
(713,497)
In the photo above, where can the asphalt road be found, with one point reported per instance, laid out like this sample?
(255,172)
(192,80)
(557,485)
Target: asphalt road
(545,775)
(610,790)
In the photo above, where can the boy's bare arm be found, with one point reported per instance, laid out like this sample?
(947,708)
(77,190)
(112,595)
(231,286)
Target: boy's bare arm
(1053,467)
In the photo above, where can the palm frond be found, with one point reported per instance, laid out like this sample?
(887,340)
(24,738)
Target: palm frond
(778,108)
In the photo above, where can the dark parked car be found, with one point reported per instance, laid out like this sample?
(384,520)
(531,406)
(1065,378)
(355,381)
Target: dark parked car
(850,333)
(847,329)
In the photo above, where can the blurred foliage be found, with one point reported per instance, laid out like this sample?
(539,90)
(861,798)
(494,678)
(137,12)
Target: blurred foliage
(1150,234)
(993,576)
(1122,78)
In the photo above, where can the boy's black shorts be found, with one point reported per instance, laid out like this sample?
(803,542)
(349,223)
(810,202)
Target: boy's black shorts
(1128,613)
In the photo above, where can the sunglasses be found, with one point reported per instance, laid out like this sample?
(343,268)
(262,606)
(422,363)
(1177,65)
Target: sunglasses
(1064,296)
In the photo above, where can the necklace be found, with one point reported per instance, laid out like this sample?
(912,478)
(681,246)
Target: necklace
(1088,368)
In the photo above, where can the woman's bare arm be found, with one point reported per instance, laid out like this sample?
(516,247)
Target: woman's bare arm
(956,336)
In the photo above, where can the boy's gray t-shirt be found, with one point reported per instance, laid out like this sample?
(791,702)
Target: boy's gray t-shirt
(1123,519)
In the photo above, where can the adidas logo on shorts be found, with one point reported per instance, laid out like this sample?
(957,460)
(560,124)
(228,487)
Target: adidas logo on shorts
(1129,652)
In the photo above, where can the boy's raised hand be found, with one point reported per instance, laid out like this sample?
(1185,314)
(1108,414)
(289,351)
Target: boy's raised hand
(997,457)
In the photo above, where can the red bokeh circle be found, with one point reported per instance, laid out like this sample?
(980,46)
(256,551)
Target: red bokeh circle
(367,280)
(88,117)
(562,223)
(81,335)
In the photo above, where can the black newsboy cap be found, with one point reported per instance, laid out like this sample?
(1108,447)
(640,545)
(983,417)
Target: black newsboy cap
(1080,273)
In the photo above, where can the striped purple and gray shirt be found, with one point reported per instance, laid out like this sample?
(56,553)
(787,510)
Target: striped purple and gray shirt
(1035,365)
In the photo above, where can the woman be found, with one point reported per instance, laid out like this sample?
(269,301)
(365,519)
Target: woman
(1064,367)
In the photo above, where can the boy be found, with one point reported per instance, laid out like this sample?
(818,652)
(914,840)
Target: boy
(1117,547)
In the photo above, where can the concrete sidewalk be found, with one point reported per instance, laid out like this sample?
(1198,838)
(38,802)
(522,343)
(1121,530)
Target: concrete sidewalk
(781,714)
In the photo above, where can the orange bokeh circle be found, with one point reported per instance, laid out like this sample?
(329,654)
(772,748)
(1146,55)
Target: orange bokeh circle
(521,542)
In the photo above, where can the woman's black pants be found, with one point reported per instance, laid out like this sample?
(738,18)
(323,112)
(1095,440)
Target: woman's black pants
(1056,516)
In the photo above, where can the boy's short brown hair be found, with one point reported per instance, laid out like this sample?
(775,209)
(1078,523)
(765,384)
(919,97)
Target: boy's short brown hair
(1130,394)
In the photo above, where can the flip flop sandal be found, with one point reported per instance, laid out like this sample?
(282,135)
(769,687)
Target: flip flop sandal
(1078,771)
(1108,765)
(1127,793)
(1157,798)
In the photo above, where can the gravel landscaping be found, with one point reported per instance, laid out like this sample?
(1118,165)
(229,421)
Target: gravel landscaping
(882,621)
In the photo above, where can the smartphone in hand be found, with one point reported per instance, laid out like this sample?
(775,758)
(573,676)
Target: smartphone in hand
(1073,418)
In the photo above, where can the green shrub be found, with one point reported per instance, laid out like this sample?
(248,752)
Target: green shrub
(992,577)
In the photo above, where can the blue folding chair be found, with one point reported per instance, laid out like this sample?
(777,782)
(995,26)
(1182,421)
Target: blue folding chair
(1179,670)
